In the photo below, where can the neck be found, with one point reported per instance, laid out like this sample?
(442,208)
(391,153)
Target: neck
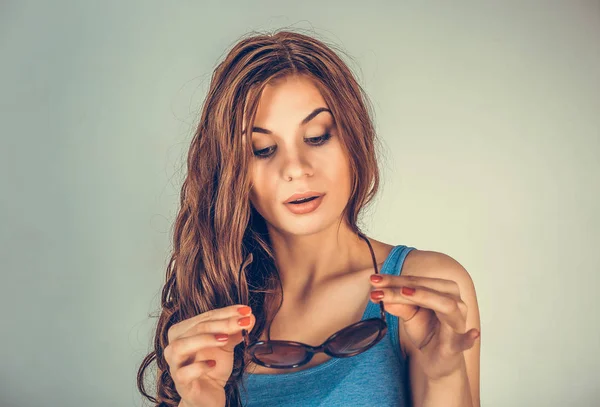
(305,262)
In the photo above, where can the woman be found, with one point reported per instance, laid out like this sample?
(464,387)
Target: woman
(300,272)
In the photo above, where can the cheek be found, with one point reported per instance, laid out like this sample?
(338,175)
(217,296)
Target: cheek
(335,166)
(260,184)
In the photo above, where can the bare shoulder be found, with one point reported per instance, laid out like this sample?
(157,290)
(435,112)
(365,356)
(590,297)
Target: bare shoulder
(427,263)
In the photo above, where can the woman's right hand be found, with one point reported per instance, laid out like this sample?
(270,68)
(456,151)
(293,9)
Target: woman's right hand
(192,348)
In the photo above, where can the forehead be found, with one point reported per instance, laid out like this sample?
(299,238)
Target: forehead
(287,102)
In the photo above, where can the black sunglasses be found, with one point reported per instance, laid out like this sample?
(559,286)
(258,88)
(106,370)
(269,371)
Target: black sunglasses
(349,341)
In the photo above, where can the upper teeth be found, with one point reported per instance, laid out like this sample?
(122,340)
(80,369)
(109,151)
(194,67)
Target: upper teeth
(303,199)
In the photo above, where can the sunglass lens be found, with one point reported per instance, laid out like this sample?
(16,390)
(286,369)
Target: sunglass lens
(279,355)
(355,338)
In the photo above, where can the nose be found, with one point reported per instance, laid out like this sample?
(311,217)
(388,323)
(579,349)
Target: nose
(296,166)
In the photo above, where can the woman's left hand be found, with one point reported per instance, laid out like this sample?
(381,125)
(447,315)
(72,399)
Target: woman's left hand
(434,319)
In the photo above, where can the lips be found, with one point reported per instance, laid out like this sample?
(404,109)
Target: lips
(301,196)
(302,200)
(305,207)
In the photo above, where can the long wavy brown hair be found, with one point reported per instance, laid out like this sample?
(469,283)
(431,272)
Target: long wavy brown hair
(217,228)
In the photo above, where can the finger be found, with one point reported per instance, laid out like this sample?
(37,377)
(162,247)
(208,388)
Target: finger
(466,341)
(461,305)
(402,308)
(179,351)
(446,307)
(219,313)
(449,287)
(229,326)
(185,375)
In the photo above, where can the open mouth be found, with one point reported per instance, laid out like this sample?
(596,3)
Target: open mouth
(299,201)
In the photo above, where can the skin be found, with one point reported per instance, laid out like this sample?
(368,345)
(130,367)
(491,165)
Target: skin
(320,265)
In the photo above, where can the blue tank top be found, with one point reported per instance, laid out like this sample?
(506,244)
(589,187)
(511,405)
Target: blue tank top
(376,377)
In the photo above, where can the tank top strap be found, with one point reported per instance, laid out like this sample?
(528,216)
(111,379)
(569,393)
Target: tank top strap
(393,265)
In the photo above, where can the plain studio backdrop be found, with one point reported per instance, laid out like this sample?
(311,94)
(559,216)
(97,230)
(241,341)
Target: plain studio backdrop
(489,113)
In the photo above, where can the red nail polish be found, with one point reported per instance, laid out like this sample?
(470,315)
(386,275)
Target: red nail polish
(377,294)
(245,310)
(376,279)
(408,291)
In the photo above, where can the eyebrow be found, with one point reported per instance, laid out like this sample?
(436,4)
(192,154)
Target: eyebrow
(302,123)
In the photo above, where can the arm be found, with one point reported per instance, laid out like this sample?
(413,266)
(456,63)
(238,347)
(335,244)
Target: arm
(454,390)
(461,388)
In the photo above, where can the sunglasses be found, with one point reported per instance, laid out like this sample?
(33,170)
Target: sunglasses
(349,341)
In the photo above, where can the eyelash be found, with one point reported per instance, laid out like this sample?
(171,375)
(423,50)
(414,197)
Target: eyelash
(325,137)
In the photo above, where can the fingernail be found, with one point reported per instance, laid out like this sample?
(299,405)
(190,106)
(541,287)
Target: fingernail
(211,363)
(408,291)
(375,278)
(244,321)
(245,310)
(376,295)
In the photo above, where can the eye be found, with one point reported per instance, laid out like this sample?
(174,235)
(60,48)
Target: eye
(261,153)
(319,140)
(313,142)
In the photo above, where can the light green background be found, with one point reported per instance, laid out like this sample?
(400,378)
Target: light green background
(489,112)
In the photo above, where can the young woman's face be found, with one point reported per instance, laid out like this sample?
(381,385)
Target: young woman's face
(286,161)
